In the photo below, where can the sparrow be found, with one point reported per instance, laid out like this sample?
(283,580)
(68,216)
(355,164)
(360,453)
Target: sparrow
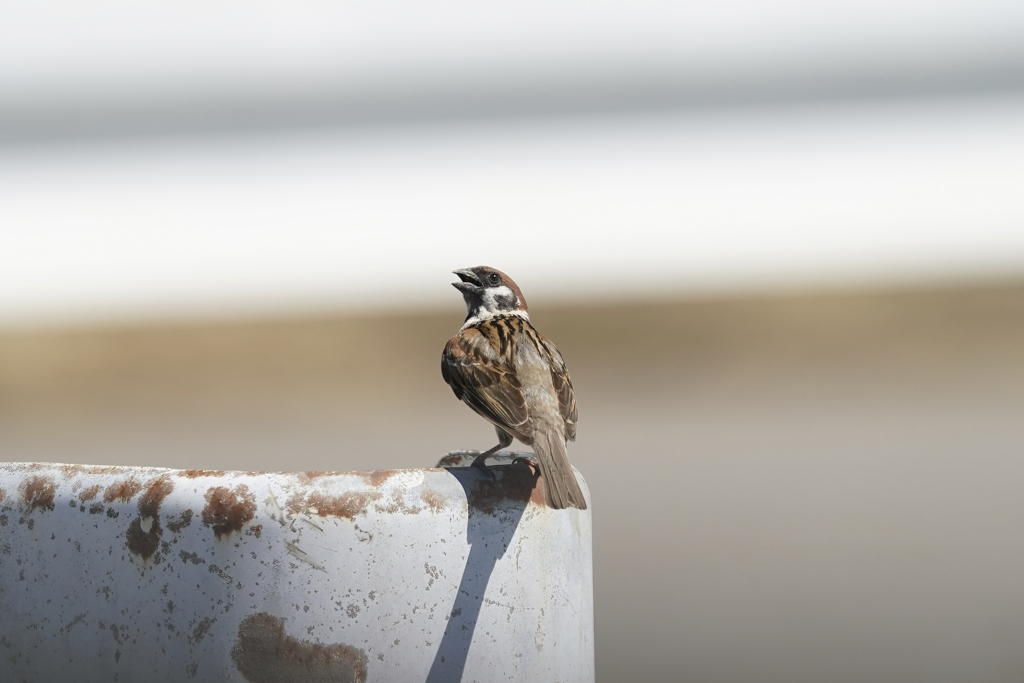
(514,377)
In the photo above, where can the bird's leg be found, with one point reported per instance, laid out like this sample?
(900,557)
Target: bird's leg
(504,441)
(479,461)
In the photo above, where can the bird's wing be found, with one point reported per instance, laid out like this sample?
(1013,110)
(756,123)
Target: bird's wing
(478,376)
(563,388)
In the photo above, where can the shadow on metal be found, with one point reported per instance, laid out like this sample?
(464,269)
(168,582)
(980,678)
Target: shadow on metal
(495,509)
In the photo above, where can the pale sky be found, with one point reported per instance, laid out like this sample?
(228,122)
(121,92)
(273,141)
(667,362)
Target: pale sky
(113,66)
(108,40)
(182,159)
(623,206)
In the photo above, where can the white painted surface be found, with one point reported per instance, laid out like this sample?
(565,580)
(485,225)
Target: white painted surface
(406,575)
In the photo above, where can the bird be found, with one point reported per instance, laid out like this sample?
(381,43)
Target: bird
(513,376)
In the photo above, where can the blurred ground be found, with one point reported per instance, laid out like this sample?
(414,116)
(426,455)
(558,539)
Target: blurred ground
(786,488)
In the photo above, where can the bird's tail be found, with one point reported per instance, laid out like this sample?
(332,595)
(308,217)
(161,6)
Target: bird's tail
(561,490)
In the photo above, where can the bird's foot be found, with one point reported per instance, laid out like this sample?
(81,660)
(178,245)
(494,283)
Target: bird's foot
(481,463)
(528,460)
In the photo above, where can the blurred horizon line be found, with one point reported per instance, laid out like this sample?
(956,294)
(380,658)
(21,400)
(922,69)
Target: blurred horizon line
(303,310)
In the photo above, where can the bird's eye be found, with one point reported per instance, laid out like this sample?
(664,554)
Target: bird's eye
(494,278)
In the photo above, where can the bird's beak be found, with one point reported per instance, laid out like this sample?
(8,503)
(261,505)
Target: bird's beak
(470,282)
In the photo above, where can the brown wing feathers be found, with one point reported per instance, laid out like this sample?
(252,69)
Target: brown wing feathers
(478,363)
(483,379)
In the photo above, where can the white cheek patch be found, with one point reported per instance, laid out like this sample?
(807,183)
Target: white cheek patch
(492,294)
(490,306)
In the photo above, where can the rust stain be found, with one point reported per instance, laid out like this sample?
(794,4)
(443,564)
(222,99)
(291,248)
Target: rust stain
(71,470)
(348,505)
(183,521)
(195,474)
(265,653)
(106,469)
(450,460)
(122,491)
(90,493)
(378,477)
(228,510)
(38,492)
(144,542)
(433,500)
(3,494)
(397,504)
(158,489)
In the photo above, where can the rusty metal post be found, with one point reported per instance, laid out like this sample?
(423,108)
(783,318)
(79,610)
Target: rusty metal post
(144,574)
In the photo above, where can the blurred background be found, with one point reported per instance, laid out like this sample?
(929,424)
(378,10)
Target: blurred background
(780,245)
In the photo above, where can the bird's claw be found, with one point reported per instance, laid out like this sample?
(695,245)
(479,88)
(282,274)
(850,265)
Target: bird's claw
(480,463)
(528,460)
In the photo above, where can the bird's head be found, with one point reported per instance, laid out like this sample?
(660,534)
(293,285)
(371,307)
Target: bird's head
(489,292)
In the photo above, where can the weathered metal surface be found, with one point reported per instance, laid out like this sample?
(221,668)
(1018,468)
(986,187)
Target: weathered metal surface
(142,574)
